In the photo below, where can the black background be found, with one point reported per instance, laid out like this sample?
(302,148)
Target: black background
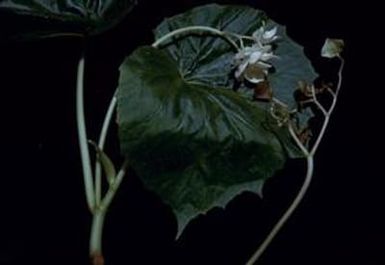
(43,214)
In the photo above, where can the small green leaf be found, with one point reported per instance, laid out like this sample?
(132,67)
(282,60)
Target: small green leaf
(106,163)
(332,48)
(41,18)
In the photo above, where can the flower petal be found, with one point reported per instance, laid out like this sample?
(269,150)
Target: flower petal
(270,34)
(254,80)
(263,65)
(255,57)
(267,56)
(239,56)
(241,68)
(258,33)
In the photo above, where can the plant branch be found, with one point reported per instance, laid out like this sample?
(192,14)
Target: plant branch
(114,187)
(82,135)
(338,88)
(293,134)
(102,140)
(197,29)
(331,109)
(310,166)
(316,102)
(96,253)
(99,215)
(287,214)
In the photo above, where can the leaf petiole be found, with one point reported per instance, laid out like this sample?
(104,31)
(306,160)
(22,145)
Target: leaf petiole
(196,29)
(82,136)
(102,140)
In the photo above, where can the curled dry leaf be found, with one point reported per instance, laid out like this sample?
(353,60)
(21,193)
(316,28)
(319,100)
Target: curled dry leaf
(332,48)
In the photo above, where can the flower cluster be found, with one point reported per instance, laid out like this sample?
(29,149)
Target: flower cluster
(251,62)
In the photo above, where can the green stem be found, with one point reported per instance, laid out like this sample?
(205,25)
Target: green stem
(298,141)
(114,187)
(310,167)
(340,70)
(82,135)
(328,113)
(321,134)
(102,140)
(96,238)
(191,29)
(287,214)
(96,253)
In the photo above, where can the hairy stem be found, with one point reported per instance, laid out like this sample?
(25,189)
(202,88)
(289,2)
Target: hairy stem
(82,135)
(195,29)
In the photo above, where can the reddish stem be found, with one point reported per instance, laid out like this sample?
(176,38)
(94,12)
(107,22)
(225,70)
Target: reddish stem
(97,259)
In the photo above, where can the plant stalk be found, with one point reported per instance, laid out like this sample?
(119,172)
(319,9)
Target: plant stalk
(82,136)
(287,214)
(105,203)
(196,29)
(97,204)
(310,166)
(96,237)
(96,253)
(102,140)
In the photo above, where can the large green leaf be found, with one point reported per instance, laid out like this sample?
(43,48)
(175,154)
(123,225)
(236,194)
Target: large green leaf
(191,137)
(207,59)
(42,18)
(196,146)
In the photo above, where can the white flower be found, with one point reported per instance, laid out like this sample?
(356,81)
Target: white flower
(262,36)
(252,61)
(253,56)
